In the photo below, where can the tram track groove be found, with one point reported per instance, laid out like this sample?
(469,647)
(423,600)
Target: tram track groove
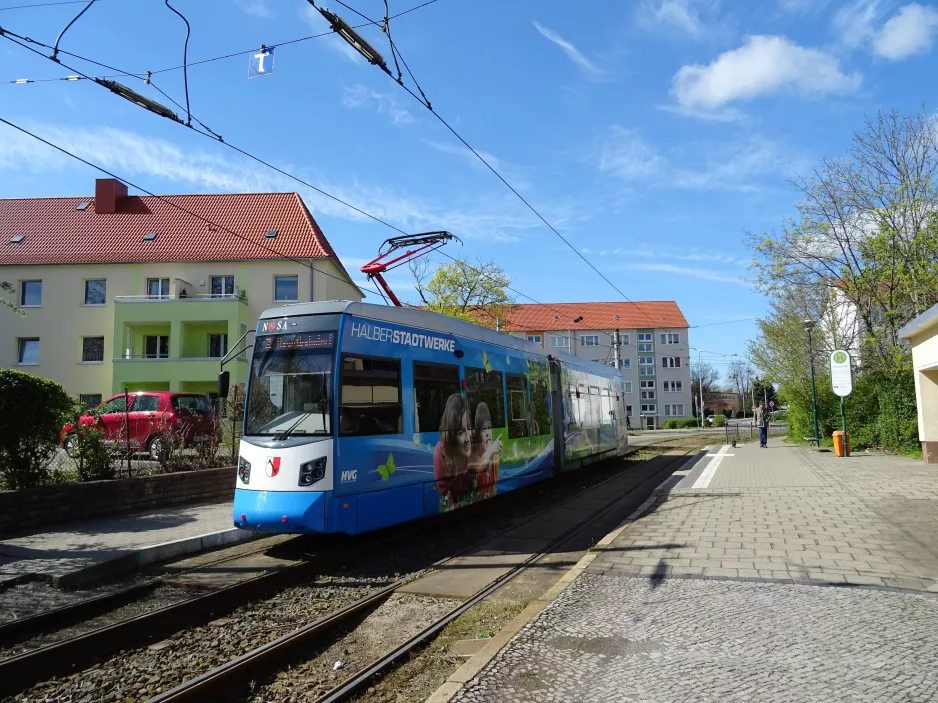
(63,658)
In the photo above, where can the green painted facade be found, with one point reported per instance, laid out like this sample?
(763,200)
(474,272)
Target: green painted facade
(189,324)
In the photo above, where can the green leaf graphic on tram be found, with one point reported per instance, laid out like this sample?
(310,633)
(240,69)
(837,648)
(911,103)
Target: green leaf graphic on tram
(485,362)
(386,470)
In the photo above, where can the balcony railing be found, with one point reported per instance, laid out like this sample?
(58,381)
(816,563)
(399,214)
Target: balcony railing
(201,297)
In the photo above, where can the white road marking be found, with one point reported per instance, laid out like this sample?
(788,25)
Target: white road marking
(704,479)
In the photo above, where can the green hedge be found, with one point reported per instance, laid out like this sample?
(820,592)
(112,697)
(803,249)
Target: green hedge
(719,420)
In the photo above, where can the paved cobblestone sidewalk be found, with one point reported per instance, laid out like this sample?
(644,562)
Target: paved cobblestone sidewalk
(778,574)
(615,638)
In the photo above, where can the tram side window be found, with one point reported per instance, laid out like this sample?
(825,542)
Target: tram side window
(433,385)
(370,399)
(540,407)
(486,387)
(517,406)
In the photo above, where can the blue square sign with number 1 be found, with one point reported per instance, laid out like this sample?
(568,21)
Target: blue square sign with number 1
(261,63)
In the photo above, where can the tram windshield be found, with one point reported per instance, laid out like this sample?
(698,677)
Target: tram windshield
(290,392)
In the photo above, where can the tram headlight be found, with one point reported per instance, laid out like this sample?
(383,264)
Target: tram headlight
(312,471)
(244,470)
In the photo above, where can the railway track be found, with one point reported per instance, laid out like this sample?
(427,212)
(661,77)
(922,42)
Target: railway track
(89,649)
(260,662)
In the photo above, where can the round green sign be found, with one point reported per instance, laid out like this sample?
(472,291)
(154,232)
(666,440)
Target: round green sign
(840,357)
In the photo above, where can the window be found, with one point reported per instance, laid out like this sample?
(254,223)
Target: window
(485,388)
(156,346)
(222,286)
(536,338)
(217,345)
(673,386)
(674,410)
(95,291)
(645,347)
(158,287)
(628,411)
(27,352)
(624,339)
(89,401)
(370,396)
(31,294)
(671,362)
(648,395)
(649,408)
(646,361)
(433,385)
(115,405)
(628,386)
(559,342)
(670,339)
(589,340)
(188,403)
(517,406)
(286,288)
(540,407)
(647,384)
(148,404)
(243,352)
(645,337)
(646,371)
(626,363)
(92,349)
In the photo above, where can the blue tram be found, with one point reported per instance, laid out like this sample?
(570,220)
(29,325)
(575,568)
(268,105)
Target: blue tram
(361,416)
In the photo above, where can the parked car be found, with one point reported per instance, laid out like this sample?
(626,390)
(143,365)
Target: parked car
(709,419)
(159,421)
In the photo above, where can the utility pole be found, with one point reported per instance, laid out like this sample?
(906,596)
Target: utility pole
(498,324)
(700,407)
(615,350)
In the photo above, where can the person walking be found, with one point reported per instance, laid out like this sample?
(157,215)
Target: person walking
(761,419)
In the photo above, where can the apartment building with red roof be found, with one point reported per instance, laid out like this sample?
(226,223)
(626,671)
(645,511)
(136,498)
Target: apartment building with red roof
(149,293)
(646,339)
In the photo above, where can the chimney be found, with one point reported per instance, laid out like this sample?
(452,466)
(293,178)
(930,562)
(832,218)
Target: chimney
(108,193)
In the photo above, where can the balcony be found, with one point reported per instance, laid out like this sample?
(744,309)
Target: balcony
(176,342)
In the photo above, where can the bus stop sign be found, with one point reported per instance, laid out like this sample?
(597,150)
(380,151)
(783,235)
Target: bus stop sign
(841,373)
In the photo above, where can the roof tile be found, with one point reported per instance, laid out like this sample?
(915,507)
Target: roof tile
(660,314)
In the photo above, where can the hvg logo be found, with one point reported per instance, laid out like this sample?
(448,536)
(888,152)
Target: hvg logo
(348,476)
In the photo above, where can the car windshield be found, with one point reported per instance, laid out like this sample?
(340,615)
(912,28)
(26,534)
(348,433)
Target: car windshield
(290,390)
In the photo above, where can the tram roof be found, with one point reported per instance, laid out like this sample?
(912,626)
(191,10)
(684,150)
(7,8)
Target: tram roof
(428,320)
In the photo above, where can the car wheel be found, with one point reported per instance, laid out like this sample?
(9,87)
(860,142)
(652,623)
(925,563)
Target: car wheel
(70,445)
(159,448)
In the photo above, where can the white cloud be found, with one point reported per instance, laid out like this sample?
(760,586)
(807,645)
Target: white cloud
(592,71)
(706,274)
(192,169)
(359,96)
(855,22)
(802,7)
(723,114)
(911,31)
(625,154)
(669,15)
(764,65)
(739,167)
(255,8)
(463,153)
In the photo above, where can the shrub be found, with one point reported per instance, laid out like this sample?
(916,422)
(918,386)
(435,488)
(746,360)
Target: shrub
(32,413)
(92,458)
(688,422)
(719,420)
(740,414)
(671,424)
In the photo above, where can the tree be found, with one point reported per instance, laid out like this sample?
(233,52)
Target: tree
(473,292)
(740,375)
(764,391)
(708,375)
(33,411)
(8,288)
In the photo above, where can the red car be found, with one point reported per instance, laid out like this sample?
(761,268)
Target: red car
(157,420)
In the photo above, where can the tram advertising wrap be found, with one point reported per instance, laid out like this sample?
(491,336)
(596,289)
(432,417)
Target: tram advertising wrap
(354,423)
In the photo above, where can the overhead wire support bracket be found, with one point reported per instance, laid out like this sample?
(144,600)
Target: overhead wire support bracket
(424,243)
(55,48)
(353,38)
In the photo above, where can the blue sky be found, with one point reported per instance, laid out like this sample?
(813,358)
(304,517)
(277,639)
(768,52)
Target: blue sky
(653,134)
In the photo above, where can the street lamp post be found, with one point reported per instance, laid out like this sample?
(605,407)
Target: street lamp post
(808,326)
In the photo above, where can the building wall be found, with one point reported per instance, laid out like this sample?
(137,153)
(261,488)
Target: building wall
(629,359)
(63,319)
(925,365)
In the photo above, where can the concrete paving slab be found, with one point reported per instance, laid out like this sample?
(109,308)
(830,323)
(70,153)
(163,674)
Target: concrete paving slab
(81,552)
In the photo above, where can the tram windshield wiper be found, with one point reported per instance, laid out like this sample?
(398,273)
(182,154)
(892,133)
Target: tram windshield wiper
(322,408)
